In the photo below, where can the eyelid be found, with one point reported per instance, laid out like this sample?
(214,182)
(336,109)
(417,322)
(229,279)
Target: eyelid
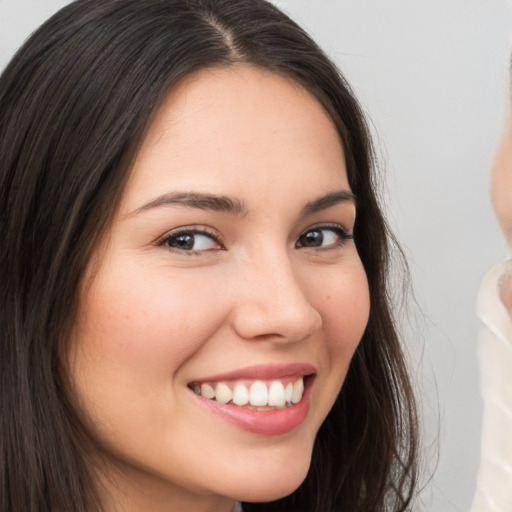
(193,230)
(345,235)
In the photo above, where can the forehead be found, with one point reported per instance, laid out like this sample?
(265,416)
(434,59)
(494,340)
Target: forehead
(225,125)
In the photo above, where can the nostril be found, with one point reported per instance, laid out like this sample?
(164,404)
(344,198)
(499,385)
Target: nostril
(268,337)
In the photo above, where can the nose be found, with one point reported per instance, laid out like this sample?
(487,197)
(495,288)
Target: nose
(272,303)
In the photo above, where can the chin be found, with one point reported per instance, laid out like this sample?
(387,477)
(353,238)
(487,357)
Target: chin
(270,485)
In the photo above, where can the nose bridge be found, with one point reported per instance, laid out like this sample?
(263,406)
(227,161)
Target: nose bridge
(274,303)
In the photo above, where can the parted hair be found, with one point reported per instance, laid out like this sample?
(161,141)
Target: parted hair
(75,104)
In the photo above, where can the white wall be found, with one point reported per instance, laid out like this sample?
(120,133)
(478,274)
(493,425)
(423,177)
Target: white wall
(432,74)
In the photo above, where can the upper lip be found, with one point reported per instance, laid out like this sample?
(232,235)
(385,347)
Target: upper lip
(263,372)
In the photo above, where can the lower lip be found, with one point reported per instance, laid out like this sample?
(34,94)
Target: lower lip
(269,423)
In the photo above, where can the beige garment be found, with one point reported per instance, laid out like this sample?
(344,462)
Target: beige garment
(494,480)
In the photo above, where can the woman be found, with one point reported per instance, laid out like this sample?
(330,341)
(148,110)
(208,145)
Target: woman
(192,314)
(494,308)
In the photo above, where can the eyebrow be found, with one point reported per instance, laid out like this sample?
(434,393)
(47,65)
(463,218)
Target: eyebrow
(234,206)
(197,200)
(328,200)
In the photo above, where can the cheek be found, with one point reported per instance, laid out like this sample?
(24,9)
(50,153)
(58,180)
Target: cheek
(345,307)
(143,329)
(344,303)
(342,298)
(501,186)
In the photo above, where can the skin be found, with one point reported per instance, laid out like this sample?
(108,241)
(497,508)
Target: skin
(501,181)
(155,318)
(501,195)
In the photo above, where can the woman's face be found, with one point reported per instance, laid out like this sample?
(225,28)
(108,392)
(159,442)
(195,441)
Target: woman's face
(229,271)
(501,194)
(501,182)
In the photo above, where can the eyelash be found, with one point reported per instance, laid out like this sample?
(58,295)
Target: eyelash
(202,231)
(343,237)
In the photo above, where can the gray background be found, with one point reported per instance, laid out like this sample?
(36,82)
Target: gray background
(432,74)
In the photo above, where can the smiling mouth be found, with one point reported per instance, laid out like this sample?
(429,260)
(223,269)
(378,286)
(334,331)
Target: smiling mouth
(260,395)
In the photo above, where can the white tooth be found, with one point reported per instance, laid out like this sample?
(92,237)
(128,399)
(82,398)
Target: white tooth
(223,393)
(298,389)
(258,394)
(207,391)
(240,395)
(288,392)
(276,394)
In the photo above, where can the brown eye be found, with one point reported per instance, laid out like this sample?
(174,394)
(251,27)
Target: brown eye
(323,237)
(191,241)
(312,238)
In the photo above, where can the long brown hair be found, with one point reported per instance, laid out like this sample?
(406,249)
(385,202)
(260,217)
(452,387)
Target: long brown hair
(75,104)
